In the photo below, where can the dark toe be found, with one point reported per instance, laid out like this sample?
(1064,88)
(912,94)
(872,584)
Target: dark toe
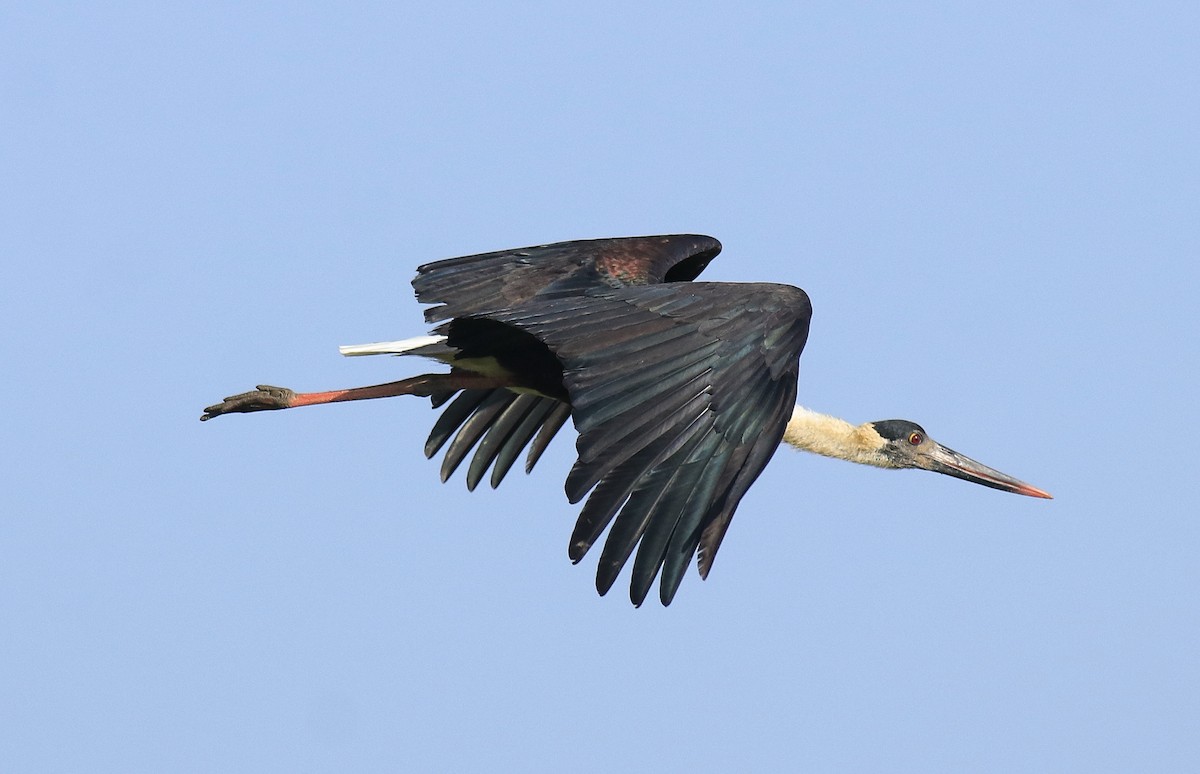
(265,398)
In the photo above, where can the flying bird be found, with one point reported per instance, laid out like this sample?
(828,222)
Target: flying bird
(680,391)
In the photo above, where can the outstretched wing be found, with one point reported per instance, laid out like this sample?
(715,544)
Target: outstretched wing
(478,284)
(680,394)
(499,424)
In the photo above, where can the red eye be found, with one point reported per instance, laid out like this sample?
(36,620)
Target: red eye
(915,439)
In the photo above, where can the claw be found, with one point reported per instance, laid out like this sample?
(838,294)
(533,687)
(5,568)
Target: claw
(264,398)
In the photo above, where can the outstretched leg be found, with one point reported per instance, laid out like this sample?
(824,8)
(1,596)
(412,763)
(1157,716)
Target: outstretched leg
(268,398)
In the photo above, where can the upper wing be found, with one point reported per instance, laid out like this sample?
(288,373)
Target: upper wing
(477,284)
(680,394)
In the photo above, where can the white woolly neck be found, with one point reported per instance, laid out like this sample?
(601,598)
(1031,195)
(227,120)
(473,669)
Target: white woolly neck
(832,437)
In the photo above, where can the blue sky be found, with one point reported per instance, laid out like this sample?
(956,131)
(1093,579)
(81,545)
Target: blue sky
(994,210)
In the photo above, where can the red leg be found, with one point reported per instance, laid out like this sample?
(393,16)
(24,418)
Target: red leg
(268,398)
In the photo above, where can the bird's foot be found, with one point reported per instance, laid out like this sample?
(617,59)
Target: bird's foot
(265,398)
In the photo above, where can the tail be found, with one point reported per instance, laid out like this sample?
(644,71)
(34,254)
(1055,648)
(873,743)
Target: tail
(424,346)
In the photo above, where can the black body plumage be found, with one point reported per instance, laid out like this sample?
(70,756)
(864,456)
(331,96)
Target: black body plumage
(680,390)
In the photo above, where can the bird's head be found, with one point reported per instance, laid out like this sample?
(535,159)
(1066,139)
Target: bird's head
(904,444)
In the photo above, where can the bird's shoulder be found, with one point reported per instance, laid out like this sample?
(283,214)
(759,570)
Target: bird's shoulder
(605,330)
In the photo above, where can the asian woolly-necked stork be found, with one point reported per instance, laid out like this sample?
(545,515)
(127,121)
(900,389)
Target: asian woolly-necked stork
(680,391)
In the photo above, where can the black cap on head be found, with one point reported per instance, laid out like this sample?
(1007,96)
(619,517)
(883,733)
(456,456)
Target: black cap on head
(896,429)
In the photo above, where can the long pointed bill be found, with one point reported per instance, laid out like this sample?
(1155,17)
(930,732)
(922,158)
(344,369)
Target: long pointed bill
(950,462)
